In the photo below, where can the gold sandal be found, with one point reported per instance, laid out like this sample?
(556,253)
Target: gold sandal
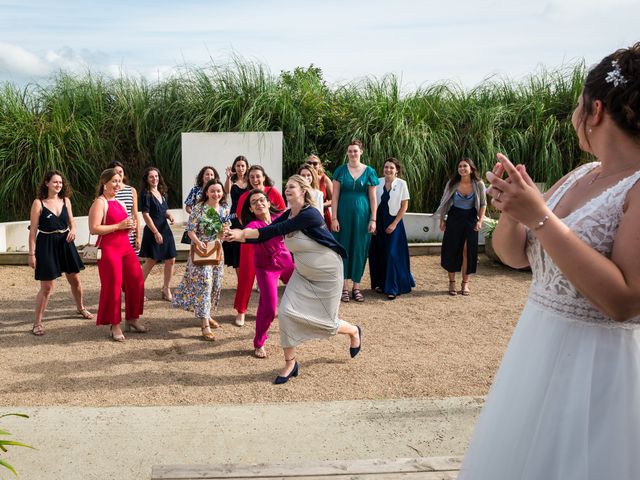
(208,336)
(84,313)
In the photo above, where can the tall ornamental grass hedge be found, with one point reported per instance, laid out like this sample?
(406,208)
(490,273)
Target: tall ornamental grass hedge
(78,124)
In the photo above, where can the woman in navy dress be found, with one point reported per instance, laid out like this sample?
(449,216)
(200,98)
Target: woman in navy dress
(389,251)
(157,239)
(52,252)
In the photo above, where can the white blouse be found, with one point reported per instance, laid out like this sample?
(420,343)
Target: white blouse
(399,192)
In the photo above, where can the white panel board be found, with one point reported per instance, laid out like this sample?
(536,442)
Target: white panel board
(219,150)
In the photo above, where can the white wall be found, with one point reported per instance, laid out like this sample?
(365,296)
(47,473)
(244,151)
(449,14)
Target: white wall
(219,150)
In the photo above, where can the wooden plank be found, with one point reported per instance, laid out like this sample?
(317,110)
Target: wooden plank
(368,476)
(309,469)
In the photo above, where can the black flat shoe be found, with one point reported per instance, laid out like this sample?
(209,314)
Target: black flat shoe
(294,373)
(353,351)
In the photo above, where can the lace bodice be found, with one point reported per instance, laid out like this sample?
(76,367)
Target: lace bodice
(596,223)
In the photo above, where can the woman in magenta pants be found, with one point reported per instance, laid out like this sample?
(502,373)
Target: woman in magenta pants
(272,262)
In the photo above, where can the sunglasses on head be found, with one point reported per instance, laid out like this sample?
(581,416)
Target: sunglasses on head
(313,163)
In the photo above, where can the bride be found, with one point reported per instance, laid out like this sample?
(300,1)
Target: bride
(565,403)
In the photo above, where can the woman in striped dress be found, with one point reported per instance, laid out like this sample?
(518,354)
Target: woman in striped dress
(129,197)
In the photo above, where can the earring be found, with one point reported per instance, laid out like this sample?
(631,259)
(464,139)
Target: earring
(590,130)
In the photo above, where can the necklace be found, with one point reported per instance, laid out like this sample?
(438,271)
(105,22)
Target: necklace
(599,175)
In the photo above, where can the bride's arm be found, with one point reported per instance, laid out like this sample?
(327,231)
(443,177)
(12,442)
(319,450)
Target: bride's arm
(509,239)
(612,285)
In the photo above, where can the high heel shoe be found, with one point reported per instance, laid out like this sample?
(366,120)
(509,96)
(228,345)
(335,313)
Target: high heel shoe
(353,351)
(116,338)
(135,327)
(294,373)
(166,294)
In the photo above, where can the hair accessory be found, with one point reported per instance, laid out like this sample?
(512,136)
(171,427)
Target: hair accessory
(615,75)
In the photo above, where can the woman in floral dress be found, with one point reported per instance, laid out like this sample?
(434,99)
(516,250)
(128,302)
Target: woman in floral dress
(200,288)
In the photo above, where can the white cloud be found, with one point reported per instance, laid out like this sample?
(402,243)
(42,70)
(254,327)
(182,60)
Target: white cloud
(18,61)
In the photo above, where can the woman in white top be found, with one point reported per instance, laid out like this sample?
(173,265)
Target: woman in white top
(389,251)
(128,195)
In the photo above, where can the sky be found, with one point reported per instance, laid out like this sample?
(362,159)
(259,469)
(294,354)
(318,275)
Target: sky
(421,42)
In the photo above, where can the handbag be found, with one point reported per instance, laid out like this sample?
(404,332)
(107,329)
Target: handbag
(93,253)
(185,238)
(212,255)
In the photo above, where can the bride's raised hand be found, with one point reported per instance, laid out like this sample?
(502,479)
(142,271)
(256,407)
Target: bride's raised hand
(517,195)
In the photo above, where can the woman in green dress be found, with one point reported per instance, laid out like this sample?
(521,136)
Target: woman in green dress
(354,215)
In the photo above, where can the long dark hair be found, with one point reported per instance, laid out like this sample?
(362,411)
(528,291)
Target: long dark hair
(475,176)
(246,215)
(43,190)
(116,163)
(162,187)
(267,181)
(200,176)
(213,181)
(234,176)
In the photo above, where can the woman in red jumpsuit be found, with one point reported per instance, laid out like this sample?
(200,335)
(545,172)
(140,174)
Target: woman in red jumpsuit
(119,267)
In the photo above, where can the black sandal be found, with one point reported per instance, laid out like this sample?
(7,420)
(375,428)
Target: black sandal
(357,295)
(345,295)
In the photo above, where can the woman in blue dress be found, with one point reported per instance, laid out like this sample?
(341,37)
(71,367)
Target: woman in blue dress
(157,239)
(389,251)
(354,215)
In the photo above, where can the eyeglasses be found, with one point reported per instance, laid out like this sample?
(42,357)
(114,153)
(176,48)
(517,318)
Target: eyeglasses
(313,164)
(258,200)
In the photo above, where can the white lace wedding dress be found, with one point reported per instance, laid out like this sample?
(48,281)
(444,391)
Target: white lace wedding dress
(565,403)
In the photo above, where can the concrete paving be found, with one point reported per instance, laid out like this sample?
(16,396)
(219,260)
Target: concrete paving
(124,443)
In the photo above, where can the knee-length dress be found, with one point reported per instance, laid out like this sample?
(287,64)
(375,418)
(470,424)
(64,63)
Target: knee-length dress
(311,299)
(389,266)
(354,214)
(232,249)
(199,290)
(157,210)
(119,269)
(565,402)
(54,255)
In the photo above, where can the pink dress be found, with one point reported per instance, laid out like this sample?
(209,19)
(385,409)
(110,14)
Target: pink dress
(119,269)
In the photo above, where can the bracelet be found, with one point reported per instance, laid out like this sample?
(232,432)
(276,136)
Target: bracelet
(372,220)
(541,223)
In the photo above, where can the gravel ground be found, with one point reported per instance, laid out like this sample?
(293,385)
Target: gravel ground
(425,344)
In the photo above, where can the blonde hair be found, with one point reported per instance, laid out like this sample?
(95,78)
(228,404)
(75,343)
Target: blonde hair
(304,185)
(321,171)
(315,182)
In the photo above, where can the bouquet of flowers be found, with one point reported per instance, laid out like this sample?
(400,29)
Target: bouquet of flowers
(212,222)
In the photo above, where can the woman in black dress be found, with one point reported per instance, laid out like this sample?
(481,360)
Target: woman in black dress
(236,184)
(157,239)
(51,248)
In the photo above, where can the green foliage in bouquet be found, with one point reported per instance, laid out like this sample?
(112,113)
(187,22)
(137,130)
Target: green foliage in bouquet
(211,222)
